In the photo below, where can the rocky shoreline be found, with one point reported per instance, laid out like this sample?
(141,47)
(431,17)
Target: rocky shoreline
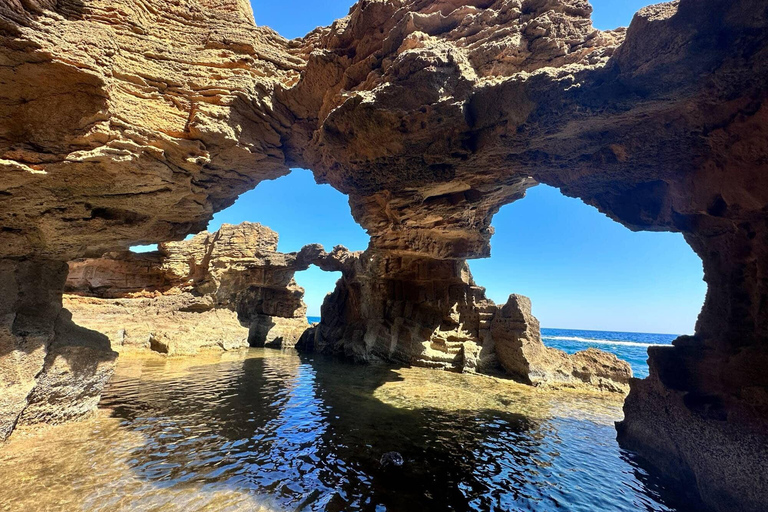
(231,289)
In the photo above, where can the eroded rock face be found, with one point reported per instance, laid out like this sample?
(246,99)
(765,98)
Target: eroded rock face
(517,340)
(128,121)
(228,289)
(125,122)
(441,87)
(713,443)
(429,312)
(122,122)
(51,370)
(405,309)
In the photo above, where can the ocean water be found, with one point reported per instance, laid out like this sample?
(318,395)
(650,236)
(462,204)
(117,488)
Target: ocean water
(269,430)
(632,347)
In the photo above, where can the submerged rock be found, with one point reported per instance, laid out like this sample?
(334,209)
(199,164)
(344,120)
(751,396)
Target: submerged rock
(391,459)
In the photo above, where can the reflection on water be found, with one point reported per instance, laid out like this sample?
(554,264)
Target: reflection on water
(269,430)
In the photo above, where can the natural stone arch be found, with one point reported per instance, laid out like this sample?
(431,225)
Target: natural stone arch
(416,111)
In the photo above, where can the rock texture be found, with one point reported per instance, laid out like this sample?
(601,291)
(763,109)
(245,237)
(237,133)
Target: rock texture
(517,340)
(663,127)
(430,312)
(132,122)
(51,370)
(120,122)
(224,290)
(690,420)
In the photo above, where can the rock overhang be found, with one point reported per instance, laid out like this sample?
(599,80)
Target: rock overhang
(661,127)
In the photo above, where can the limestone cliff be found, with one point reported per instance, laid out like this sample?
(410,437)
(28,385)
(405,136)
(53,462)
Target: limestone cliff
(228,289)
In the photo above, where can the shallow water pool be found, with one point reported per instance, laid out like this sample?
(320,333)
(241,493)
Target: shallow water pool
(270,430)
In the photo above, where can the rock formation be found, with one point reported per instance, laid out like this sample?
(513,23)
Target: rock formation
(51,370)
(132,122)
(429,312)
(232,289)
(224,290)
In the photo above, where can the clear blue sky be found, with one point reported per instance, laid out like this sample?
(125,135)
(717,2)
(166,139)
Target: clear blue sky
(294,18)
(581,269)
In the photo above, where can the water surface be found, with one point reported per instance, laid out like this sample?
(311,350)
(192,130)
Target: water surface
(632,347)
(269,430)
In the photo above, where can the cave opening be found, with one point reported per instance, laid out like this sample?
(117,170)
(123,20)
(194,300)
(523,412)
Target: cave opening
(302,212)
(592,282)
(317,284)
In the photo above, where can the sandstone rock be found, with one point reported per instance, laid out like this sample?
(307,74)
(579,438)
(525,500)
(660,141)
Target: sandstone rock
(125,122)
(602,370)
(50,369)
(223,290)
(275,331)
(688,392)
(78,366)
(429,312)
(161,111)
(29,309)
(517,340)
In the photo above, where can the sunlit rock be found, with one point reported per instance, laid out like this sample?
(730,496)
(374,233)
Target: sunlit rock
(125,123)
(517,341)
(428,312)
(224,290)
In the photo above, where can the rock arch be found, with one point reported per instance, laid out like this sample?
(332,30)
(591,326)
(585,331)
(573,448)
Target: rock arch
(429,115)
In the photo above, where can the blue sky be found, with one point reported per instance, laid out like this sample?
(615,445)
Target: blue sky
(294,18)
(581,269)
(302,212)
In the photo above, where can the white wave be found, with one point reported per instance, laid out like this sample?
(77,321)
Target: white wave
(603,342)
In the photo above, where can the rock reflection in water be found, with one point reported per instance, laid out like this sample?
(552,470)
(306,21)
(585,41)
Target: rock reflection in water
(270,430)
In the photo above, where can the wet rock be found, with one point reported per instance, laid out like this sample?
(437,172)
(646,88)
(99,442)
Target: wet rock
(692,425)
(391,460)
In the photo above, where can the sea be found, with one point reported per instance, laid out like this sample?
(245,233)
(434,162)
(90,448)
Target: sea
(632,347)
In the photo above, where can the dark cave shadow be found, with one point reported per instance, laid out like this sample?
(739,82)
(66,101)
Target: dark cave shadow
(661,486)
(83,349)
